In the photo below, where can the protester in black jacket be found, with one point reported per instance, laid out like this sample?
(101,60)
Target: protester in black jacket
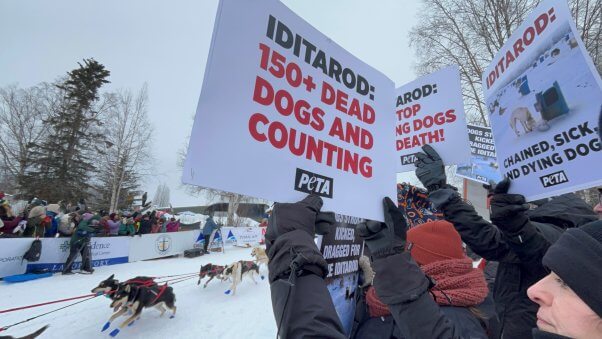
(570,297)
(300,300)
(519,266)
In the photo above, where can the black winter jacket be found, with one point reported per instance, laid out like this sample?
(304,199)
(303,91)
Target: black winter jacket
(519,255)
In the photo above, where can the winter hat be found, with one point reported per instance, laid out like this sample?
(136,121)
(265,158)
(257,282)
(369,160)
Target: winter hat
(54,208)
(112,216)
(577,259)
(434,241)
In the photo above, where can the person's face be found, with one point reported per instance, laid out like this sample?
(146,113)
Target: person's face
(561,311)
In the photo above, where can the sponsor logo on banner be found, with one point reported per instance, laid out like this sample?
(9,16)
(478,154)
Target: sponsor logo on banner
(554,179)
(11,259)
(308,182)
(163,244)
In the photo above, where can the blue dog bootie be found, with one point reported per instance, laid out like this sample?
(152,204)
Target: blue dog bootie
(132,323)
(227,292)
(115,332)
(106,326)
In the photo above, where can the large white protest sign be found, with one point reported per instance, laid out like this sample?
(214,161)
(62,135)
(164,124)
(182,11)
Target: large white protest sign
(430,110)
(284,111)
(483,165)
(544,97)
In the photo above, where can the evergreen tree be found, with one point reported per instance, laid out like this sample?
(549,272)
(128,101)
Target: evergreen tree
(65,161)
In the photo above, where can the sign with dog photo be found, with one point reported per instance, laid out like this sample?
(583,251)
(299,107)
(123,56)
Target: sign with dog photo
(284,111)
(483,165)
(430,110)
(544,97)
(342,248)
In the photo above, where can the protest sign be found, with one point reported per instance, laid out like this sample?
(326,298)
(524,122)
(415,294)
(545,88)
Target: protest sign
(544,96)
(284,111)
(341,248)
(483,165)
(430,110)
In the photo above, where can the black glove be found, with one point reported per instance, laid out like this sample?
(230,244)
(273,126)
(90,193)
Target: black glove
(508,210)
(388,238)
(290,235)
(430,169)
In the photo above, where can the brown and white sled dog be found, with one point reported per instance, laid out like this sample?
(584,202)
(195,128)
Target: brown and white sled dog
(261,258)
(237,271)
(135,298)
(522,115)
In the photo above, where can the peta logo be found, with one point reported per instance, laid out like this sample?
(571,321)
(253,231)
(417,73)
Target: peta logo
(309,182)
(408,159)
(554,179)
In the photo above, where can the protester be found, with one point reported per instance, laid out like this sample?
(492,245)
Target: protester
(172,225)
(208,229)
(80,244)
(300,300)
(460,291)
(598,207)
(570,297)
(514,224)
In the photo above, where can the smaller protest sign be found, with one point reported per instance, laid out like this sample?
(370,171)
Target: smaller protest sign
(342,248)
(483,165)
(430,110)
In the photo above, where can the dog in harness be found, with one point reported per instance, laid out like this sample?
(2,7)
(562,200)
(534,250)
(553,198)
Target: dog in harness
(110,285)
(138,297)
(238,270)
(211,271)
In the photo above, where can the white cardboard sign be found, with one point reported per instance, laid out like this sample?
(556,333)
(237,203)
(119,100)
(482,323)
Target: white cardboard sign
(544,97)
(285,111)
(430,110)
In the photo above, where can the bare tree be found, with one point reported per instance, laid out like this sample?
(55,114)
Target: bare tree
(128,156)
(232,199)
(22,115)
(161,198)
(470,32)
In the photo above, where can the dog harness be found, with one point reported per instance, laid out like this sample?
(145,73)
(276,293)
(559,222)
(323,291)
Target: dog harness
(161,290)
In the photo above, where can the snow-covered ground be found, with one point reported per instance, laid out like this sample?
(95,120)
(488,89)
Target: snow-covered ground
(201,313)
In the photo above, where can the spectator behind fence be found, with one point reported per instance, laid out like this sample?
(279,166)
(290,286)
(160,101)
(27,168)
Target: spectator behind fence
(11,224)
(113,224)
(173,225)
(512,223)
(126,227)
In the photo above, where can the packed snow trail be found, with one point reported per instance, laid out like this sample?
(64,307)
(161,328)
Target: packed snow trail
(202,313)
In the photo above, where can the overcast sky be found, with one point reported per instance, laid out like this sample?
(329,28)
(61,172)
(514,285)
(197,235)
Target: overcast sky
(166,43)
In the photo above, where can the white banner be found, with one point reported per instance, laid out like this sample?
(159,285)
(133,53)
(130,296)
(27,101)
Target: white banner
(430,110)
(11,255)
(276,88)
(105,251)
(544,97)
(246,235)
(157,245)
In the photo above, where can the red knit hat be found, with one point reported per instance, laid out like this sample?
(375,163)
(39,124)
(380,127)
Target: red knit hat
(434,241)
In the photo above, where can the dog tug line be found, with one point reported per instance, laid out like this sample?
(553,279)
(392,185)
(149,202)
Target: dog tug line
(171,279)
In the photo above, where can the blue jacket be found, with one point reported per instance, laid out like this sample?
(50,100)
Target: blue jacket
(210,225)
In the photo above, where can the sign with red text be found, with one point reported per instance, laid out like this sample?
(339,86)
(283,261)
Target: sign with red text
(430,110)
(544,97)
(284,111)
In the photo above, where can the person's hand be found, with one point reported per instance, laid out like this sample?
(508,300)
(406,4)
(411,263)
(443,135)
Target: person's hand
(508,210)
(303,215)
(430,169)
(388,238)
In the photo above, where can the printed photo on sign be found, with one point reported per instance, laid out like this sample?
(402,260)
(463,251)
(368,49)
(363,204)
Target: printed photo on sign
(341,248)
(284,112)
(544,97)
(483,165)
(430,110)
